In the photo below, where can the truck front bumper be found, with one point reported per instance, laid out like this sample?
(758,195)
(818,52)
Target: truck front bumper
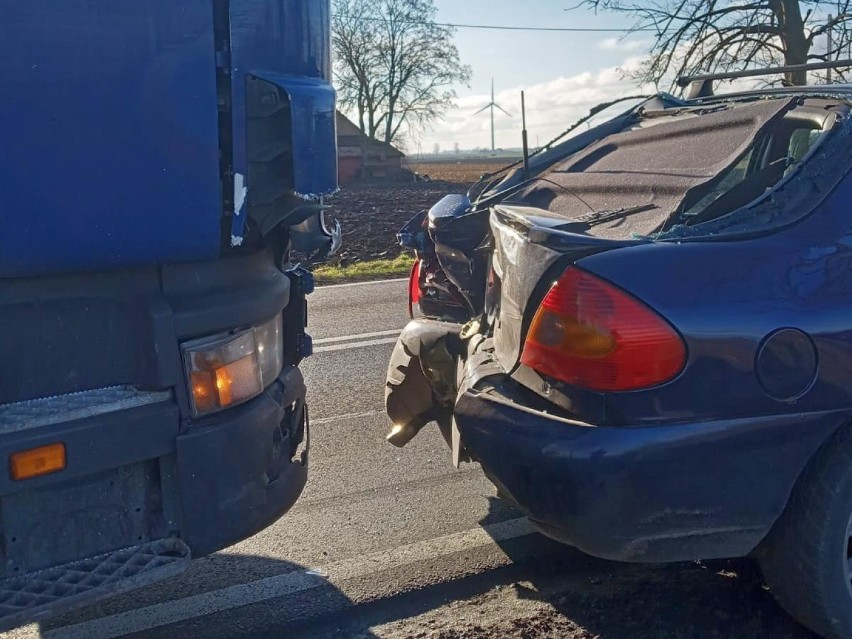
(242,472)
(141,497)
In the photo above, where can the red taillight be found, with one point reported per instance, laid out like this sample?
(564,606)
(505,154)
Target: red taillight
(591,334)
(414,293)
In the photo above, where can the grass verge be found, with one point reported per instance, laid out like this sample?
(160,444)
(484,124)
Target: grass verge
(363,271)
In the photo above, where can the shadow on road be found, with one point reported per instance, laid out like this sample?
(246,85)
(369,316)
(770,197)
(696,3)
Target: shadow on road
(575,596)
(211,601)
(611,600)
(547,591)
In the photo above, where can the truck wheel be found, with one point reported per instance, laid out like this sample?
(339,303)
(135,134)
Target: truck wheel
(807,558)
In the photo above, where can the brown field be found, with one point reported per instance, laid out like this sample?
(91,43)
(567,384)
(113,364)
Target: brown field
(465,172)
(372,214)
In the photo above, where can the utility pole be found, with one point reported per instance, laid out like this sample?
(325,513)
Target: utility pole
(830,46)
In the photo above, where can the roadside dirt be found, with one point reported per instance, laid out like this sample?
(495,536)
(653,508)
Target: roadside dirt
(372,214)
(682,601)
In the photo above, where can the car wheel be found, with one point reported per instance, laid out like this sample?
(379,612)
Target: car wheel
(807,558)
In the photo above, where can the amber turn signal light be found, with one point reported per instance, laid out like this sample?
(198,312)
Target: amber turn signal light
(228,370)
(36,462)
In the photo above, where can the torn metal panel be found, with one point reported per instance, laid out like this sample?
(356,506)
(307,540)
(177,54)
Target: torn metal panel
(460,242)
(313,237)
(414,234)
(421,378)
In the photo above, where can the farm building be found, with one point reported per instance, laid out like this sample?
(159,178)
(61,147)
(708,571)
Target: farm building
(362,159)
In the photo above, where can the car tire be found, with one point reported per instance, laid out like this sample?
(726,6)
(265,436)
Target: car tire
(807,557)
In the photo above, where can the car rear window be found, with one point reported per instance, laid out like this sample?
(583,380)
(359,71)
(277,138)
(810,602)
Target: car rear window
(679,175)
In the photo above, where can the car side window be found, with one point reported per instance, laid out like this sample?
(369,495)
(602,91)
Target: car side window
(801,142)
(761,168)
(735,176)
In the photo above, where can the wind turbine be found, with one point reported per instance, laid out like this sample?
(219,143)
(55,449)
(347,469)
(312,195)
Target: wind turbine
(493,105)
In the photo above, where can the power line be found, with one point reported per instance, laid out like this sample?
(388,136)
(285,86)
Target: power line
(497,27)
(501,27)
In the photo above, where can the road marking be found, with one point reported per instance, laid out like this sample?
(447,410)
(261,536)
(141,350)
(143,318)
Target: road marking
(352,338)
(372,282)
(337,418)
(188,608)
(346,347)
(454,477)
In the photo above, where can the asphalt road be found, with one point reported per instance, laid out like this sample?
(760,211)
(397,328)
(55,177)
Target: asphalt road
(398,543)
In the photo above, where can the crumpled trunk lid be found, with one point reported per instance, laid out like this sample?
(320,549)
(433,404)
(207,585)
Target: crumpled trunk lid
(530,252)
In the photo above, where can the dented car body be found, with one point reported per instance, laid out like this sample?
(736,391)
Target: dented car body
(644,338)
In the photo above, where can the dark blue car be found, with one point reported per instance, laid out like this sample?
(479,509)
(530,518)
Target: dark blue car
(644,336)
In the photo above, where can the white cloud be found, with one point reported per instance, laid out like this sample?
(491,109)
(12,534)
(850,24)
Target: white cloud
(623,44)
(551,107)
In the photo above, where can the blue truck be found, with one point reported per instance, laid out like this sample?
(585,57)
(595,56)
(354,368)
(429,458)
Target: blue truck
(162,162)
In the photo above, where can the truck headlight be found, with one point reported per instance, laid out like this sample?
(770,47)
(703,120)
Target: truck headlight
(224,371)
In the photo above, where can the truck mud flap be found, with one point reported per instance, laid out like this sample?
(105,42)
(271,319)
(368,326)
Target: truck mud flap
(421,378)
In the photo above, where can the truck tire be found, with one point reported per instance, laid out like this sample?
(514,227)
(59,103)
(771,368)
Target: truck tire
(807,557)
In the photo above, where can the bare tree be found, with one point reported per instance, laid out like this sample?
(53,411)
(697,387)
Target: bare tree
(359,75)
(698,36)
(395,66)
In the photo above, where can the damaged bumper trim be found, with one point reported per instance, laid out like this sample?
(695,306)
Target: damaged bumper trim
(645,493)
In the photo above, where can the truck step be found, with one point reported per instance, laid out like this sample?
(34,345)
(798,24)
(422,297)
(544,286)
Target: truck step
(39,595)
(49,411)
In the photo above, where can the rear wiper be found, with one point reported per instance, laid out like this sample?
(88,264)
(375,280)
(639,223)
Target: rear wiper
(598,217)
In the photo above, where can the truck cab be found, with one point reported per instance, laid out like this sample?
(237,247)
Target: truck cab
(162,164)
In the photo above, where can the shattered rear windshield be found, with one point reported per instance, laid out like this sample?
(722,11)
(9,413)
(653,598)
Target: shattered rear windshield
(695,171)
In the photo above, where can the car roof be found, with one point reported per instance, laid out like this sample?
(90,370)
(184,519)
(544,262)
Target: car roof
(829,90)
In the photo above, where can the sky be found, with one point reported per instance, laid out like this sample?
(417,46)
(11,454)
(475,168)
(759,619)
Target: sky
(563,74)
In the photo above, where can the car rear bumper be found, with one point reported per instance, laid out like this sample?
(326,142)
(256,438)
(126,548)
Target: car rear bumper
(641,494)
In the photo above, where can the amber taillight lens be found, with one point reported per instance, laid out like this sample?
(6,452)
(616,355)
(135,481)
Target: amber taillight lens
(591,334)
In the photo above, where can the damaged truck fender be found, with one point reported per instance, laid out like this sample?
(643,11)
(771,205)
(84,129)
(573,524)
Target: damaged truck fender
(417,389)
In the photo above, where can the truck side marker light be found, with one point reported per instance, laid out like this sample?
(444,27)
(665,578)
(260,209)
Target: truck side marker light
(36,462)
